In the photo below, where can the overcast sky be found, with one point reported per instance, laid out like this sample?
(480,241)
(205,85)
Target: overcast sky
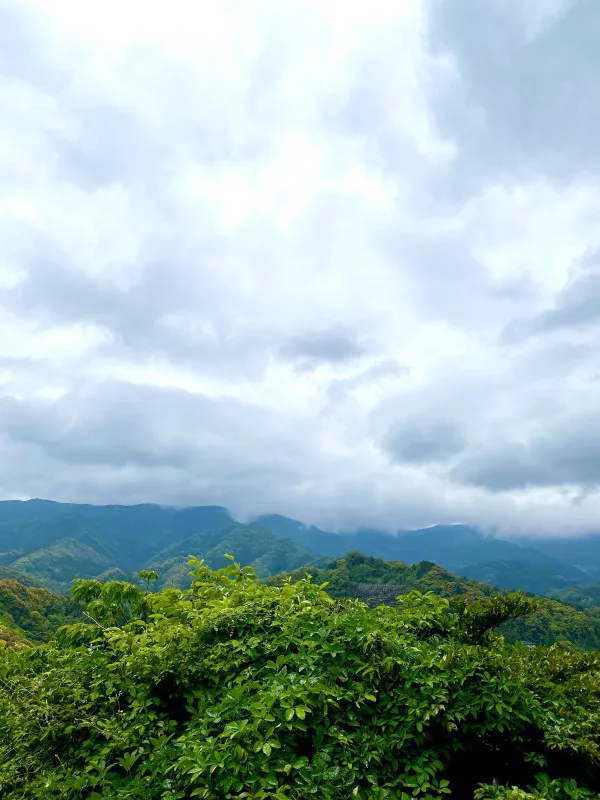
(337,260)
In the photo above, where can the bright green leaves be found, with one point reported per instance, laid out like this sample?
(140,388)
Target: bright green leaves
(237,689)
(546,789)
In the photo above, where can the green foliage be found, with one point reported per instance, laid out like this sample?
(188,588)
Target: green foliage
(32,612)
(355,574)
(375,582)
(546,789)
(478,620)
(555,622)
(239,689)
(579,596)
(11,637)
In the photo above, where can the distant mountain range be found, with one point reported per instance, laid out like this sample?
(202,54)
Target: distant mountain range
(56,542)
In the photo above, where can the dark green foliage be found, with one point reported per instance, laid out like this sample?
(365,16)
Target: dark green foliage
(579,596)
(545,576)
(353,575)
(28,611)
(237,689)
(555,622)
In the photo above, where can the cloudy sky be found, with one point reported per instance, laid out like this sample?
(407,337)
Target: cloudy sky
(335,260)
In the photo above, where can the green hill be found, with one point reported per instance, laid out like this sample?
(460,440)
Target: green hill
(32,612)
(265,553)
(579,596)
(378,582)
(57,564)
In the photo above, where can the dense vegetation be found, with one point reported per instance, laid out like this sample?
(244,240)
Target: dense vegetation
(238,689)
(375,581)
(579,596)
(30,612)
(26,610)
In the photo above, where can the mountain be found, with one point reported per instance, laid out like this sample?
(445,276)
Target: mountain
(582,552)
(266,553)
(377,582)
(459,548)
(57,564)
(540,576)
(579,596)
(60,541)
(454,546)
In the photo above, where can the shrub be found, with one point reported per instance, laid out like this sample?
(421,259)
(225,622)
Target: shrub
(236,689)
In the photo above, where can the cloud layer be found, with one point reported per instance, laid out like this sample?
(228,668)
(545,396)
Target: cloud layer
(340,263)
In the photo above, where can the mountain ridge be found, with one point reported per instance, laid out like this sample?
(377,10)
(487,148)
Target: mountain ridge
(73,539)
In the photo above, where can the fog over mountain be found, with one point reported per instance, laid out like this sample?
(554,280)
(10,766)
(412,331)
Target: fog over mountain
(334,261)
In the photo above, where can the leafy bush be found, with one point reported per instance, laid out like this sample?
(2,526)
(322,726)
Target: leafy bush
(237,689)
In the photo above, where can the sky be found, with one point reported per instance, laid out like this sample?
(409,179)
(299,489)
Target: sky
(339,261)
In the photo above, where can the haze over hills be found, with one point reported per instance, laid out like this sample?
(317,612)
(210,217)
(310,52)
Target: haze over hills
(57,542)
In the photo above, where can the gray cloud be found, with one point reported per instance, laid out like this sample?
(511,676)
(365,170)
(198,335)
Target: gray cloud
(527,99)
(578,303)
(419,441)
(575,307)
(313,348)
(145,430)
(568,454)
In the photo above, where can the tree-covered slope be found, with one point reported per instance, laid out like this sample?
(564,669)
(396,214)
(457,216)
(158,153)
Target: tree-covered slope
(265,553)
(32,612)
(115,541)
(376,582)
(239,689)
(543,577)
(57,564)
(579,596)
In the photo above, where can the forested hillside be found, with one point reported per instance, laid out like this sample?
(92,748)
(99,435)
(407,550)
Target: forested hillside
(56,542)
(239,689)
(31,612)
(375,581)
(579,596)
